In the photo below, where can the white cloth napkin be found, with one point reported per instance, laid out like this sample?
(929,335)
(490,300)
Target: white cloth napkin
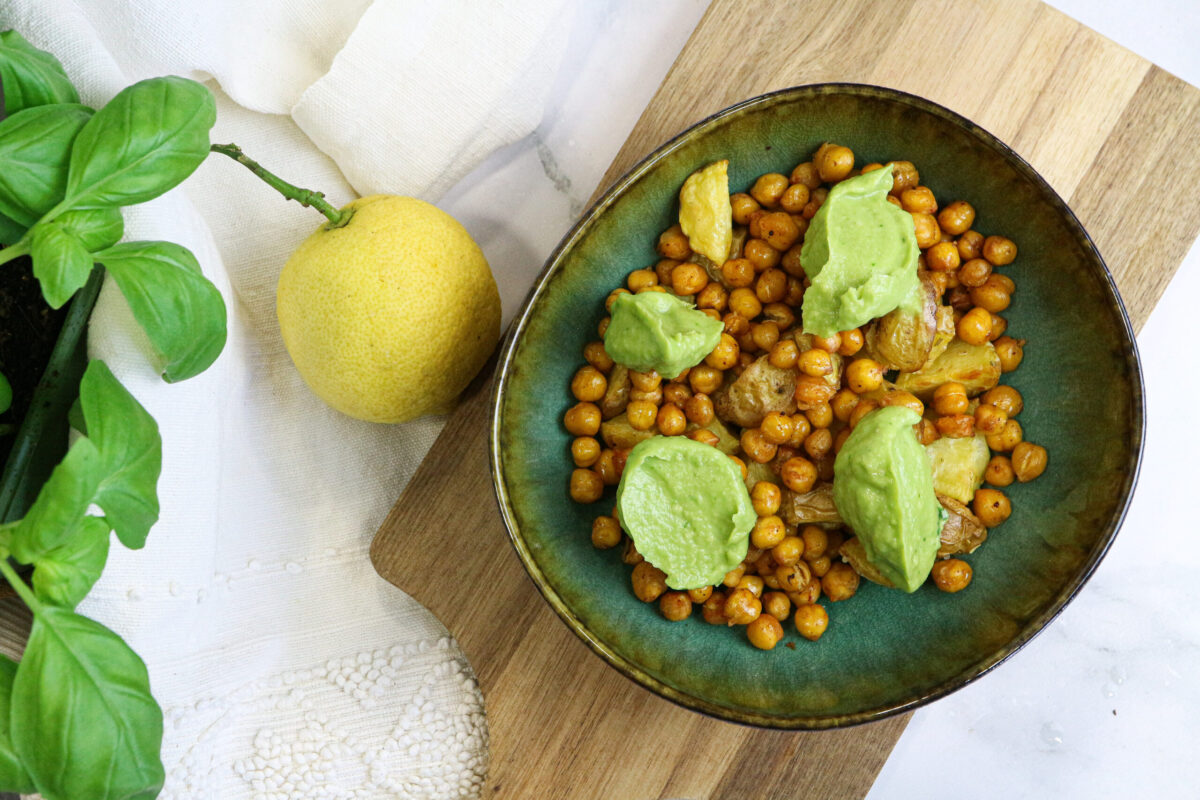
(285,666)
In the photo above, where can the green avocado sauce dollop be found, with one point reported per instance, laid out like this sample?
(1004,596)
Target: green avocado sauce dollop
(883,489)
(658,331)
(686,508)
(860,252)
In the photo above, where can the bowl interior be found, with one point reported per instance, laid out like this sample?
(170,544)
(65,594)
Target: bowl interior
(884,651)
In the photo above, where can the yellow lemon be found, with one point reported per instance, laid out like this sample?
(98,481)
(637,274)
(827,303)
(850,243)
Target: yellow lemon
(390,316)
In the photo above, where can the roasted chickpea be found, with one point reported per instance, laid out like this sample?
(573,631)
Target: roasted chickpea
(771,286)
(951,398)
(756,446)
(974,273)
(801,427)
(677,393)
(776,604)
(606,468)
(1028,461)
(725,354)
(769,188)
(713,296)
(788,551)
(793,577)
(926,228)
(818,443)
(582,419)
(700,595)
(753,584)
(741,465)
(776,427)
(766,498)
(815,201)
(589,384)
(671,420)
(673,244)
(642,414)
(713,609)
(815,362)
(612,298)
(989,419)
(840,583)
(649,582)
(956,218)
(595,354)
(784,354)
(843,404)
(819,566)
(733,576)
(744,302)
(927,433)
(835,163)
(738,273)
(942,257)
(794,198)
(630,555)
(812,620)
(586,486)
(778,229)
(790,262)
(999,471)
(904,176)
(585,450)
(688,279)
(970,245)
(705,379)
(900,397)
(956,426)
(820,415)
(699,409)
(993,295)
(640,279)
(742,607)
(663,269)
(1005,398)
(975,326)
(743,206)
(951,575)
(798,474)
(1010,351)
(812,391)
(606,533)
(864,375)
(991,506)
(918,200)
(704,436)
(1008,438)
(675,606)
(806,173)
(761,255)
(999,326)
(999,250)
(736,324)
(816,541)
(764,632)
(654,395)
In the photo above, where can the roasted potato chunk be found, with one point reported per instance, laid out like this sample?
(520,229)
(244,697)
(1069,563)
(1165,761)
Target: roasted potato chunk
(975,366)
(903,338)
(618,433)
(963,531)
(616,397)
(705,214)
(811,508)
(759,390)
(854,554)
(756,472)
(944,334)
(804,342)
(958,465)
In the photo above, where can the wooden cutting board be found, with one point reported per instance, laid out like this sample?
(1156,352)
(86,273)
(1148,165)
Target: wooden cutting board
(1112,133)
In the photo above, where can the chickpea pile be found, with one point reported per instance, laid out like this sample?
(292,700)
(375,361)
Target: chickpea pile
(789,568)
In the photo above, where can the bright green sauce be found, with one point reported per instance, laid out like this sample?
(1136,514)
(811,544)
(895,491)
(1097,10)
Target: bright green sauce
(658,331)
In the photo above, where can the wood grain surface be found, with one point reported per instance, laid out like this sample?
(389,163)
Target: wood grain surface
(1111,132)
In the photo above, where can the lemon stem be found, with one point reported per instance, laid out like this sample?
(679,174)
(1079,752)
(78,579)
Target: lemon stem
(305,197)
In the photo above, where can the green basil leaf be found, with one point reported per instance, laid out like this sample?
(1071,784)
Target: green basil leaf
(83,720)
(60,261)
(150,137)
(64,576)
(180,310)
(10,232)
(96,228)
(31,77)
(35,150)
(13,776)
(61,503)
(130,452)
(5,393)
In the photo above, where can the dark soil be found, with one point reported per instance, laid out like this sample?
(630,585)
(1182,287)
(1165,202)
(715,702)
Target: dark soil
(28,329)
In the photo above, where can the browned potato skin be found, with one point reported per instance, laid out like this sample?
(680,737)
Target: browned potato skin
(963,532)
(901,339)
(616,397)
(814,507)
(976,367)
(618,433)
(855,555)
(759,390)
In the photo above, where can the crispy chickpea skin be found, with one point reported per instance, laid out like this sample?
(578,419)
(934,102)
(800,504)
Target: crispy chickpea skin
(606,533)
(585,451)
(764,632)
(811,621)
(798,474)
(675,606)
(840,583)
(742,607)
(649,582)
(673,244)
(586,486)
(951,575)
(999,471)
(768,531)
(864,375)
(788,551)
(1028,461)
(713,609)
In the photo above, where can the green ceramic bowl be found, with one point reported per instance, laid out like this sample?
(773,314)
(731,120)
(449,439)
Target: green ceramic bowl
(884,652)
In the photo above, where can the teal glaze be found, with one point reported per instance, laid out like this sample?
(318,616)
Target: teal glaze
(885,652)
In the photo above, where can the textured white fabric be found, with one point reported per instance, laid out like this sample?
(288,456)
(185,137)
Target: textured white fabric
(285,666)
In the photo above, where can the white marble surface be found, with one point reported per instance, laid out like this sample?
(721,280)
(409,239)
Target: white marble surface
(1103,703)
